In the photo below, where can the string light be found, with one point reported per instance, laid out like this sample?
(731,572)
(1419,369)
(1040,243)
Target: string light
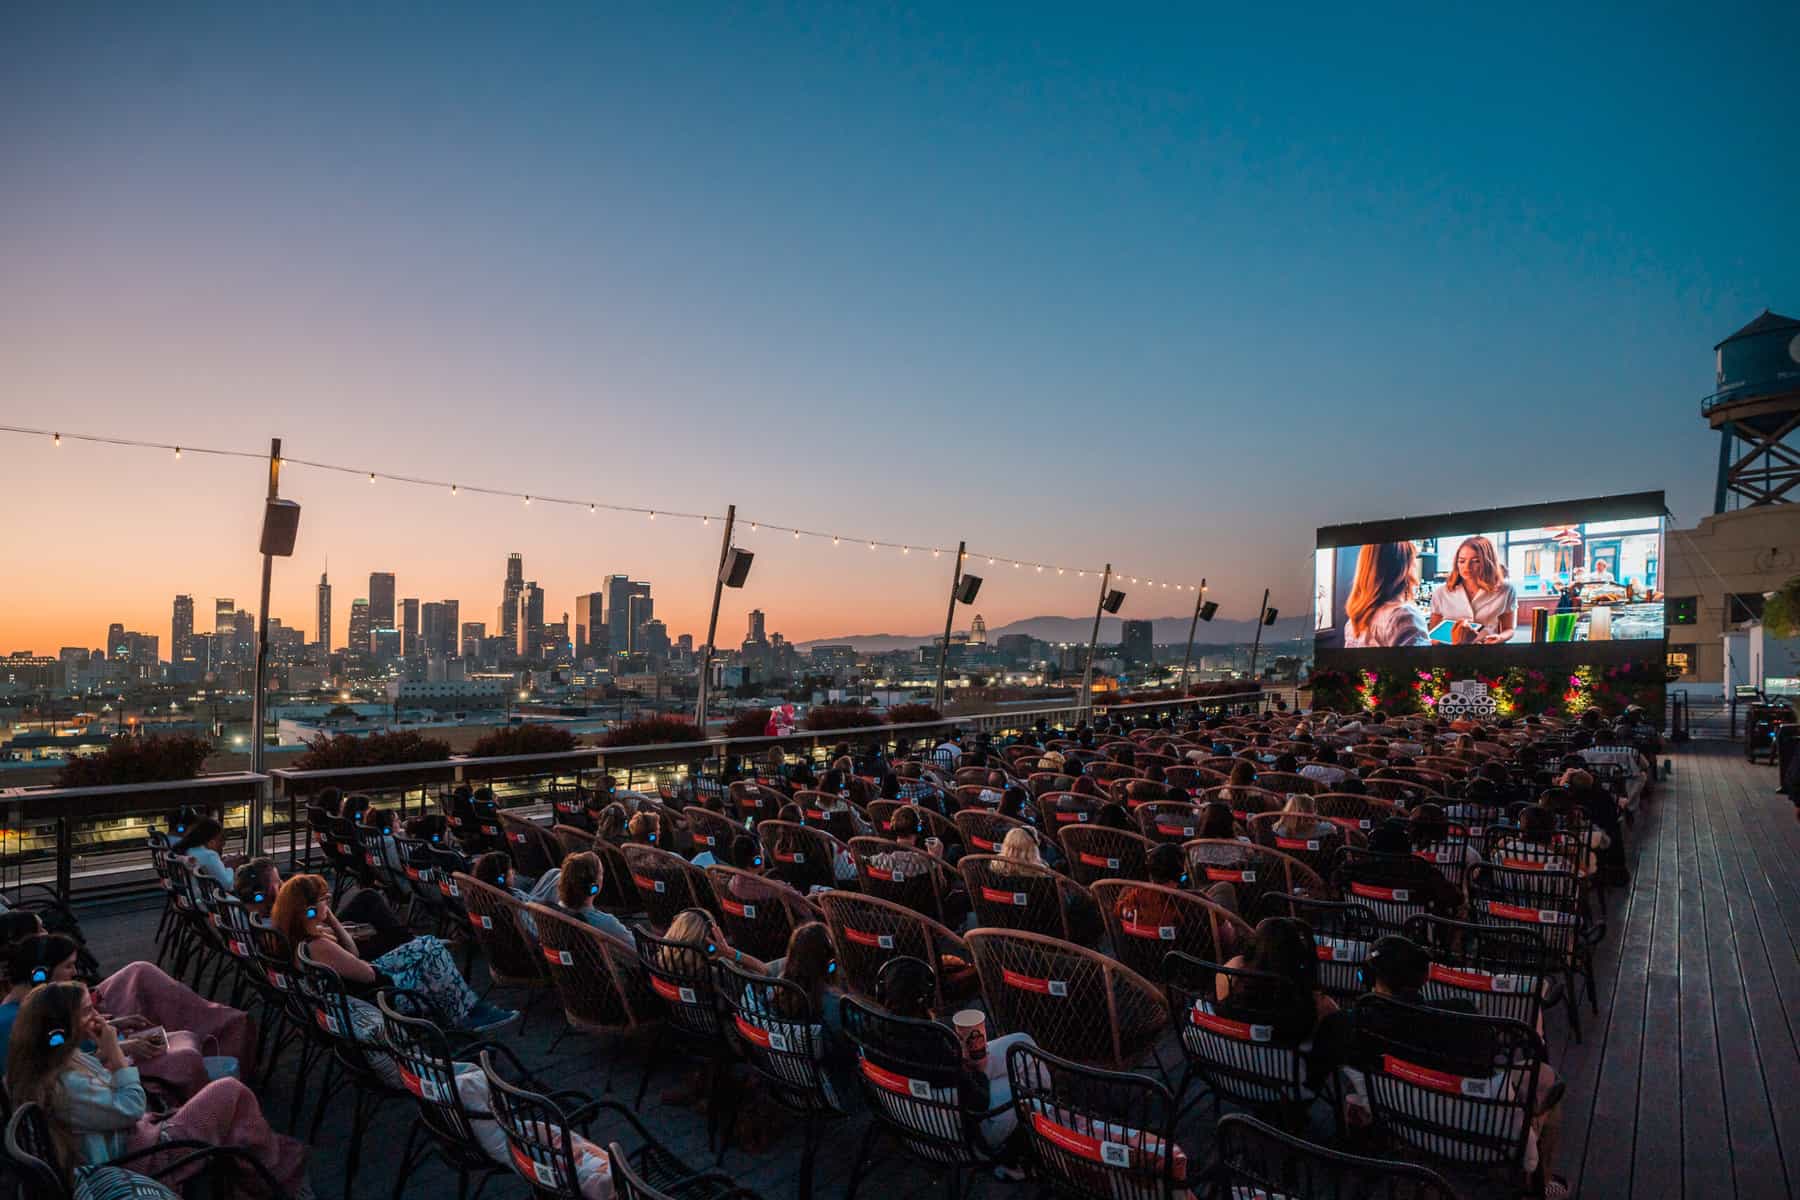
(834,541)
(371,475)
(56,440)
(796,535)
(528,500)
(906,549)
(453,489)
(178,452)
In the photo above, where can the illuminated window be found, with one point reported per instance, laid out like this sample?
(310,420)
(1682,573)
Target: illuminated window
(1681,660)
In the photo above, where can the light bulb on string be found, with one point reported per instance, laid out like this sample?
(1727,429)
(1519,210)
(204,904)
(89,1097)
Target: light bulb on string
(453,489)
(906,549)
(796,535)
(754,527)
(56,439)
(528,501)
(1040,569)
(834,541)
(371,478)
(871,545)
(178,452)
(935,552)
(653,514)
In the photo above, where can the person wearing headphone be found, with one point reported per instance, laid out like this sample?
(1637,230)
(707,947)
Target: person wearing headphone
(907,987)
(578,883)
(1166,865)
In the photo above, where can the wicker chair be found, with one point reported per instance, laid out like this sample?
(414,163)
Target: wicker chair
(602,987)
(1096,1135)
(1396,887)
(666,884)
(935,890)
(630,1183)
(840,823)
(757,914)
(1107,772)
(1257,1159)
(1354,813)
(1095,853)
(1254,871)
(798,855)
(1503,971)
(1074,1002)
(681,976)
(754,801)
(1343,935)
(1058,809)
(1133,792)
(572,839)
(1237,1060)
(1245,800)
(1032,899)
(931,823)
(1169,821)
(1550,903)
(513,960)
(1318,851)
(983,831)
(1042,783)
(1147,921)
(713,831)
(532,848)
(869,932)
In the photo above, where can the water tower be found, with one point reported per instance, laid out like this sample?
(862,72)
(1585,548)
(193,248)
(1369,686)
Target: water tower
(1756,409)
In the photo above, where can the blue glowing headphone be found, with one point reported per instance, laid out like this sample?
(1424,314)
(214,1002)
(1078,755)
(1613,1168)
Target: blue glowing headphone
(711,948)
(39,975)
(57,1038)
(831,969)
(593,889)
(258,897)
(312,912)
(757,861)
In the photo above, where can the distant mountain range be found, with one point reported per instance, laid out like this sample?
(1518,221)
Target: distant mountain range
(1167,630)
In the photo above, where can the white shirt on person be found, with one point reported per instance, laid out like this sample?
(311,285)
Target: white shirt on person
(1486,609)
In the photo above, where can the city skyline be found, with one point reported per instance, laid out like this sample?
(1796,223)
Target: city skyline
(1171,293)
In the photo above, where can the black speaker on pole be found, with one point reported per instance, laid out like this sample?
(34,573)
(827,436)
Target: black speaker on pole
(281,524)
(736,568)
(965,591)
(1268,616)
(1115,600)
(1208,609)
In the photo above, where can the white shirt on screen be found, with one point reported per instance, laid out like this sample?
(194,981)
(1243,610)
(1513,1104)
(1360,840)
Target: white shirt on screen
(1485,610)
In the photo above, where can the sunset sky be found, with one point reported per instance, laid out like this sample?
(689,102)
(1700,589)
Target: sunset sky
(1075,285)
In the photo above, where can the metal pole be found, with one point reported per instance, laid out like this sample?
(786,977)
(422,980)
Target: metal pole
(254,825)
(1260,614)
(712,625)
(949,619)
(1087,674)
(1192,625)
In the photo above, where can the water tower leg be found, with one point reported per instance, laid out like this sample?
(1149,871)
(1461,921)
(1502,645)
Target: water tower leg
(1719,488)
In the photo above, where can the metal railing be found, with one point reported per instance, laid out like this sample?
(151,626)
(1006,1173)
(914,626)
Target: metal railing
(90,840)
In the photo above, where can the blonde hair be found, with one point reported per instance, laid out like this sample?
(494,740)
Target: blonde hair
(1487,573)
(1019,848)
(1384,573)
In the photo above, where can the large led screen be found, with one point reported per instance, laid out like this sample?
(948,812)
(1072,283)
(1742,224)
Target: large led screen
(1584,581)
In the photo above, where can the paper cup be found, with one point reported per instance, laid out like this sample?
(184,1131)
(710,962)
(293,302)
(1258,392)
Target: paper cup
(971,1030)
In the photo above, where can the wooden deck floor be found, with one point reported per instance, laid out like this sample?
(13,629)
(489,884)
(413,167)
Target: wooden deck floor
(1687,1085)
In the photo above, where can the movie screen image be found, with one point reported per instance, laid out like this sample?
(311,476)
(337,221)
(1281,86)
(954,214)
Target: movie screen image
(1590,581)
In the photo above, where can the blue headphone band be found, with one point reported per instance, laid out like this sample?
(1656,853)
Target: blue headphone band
(711,948)
(258,897)
(312,912)
(593,889)
(39,975)
(832,968)
(57,1038)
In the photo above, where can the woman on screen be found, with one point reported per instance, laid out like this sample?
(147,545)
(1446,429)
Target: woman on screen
(1477,593)
(1380,611)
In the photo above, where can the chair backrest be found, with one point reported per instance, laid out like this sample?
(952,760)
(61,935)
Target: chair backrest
(1072,1001)
(538,1139)
(868,932)
(757,913)
(666,883)
(912,1075)
(1246,1061)
(1056,810)
(681,977)
(795,854)
(1095,852)
(1287,783)
(1343,934)
(713,831)
(598,978)
(31,1153)
(1395,887)
(1173,821)
(1471,1106)
(983,831)
(902,875)
(932,823)
(1254,871)
(1544,900)
(755,801)
(1257,1159)
(1245,799)
(530,846)
(1005,894)
(427,1067)
(330,1010)
(1316,847)
(513,960)
(1147,921)
(777,1031)
(572,839)
(1042,783)
(1094,1134)
(1353,813)
(1501,969)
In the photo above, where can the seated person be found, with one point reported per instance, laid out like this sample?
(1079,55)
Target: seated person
(1021,846)
(1324,767)
(1392,865)
(365,912)
(1537,841)
(303,915)
(1282,947)
(1300,819)
(907,987)
(97,1106)
(496,870)
(1166,865)
(578,883)
(202,845)
(1429,828)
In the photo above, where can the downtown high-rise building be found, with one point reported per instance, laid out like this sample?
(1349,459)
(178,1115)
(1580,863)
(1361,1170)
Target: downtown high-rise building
(620,589)
(757,634)
(181,630)
(324,616)
(409,628)
(438,629)
(590,626)
(509,598)
(243,638)
(359,627)
(224,629)
(640,610)
(381,600)
(531,620)
(473,634)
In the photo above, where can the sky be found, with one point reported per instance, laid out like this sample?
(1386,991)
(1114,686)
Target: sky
(1157,286)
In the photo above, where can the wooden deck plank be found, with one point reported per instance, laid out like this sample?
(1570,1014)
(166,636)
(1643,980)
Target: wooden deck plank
(1656,1165)
(1705,1162)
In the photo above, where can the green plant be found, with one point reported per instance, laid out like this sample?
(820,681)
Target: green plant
(836,716)
(651,731)
(913,714)
(529,738)
(371,750)
(1781,611)
(129,759)
(749,722)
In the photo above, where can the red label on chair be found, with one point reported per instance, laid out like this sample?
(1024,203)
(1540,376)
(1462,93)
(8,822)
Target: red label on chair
(1095,860)
(886,876)
(1227,875)
(735,909)
(797,856)
(1066,818)
(481,920)
(1525,864)
(519,838)
(1176,830)
(1471,980)
(1237,1031)
(984,844)
(1154,933)
(1357,823)
(710,840)
(882,941)
(1536,916)
(1297,843)
(1369,891)
(413,873)
(1030,983)
(1340,950)
(425,1089)
(813,814)
(1439,857)
(1441,1081)
(1100,1150)
(768,1039)
(649,885)
(899,1085)
(673,993)
(533,1170)
(561,958)
(327,1022)
(996,896)
(447,886)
